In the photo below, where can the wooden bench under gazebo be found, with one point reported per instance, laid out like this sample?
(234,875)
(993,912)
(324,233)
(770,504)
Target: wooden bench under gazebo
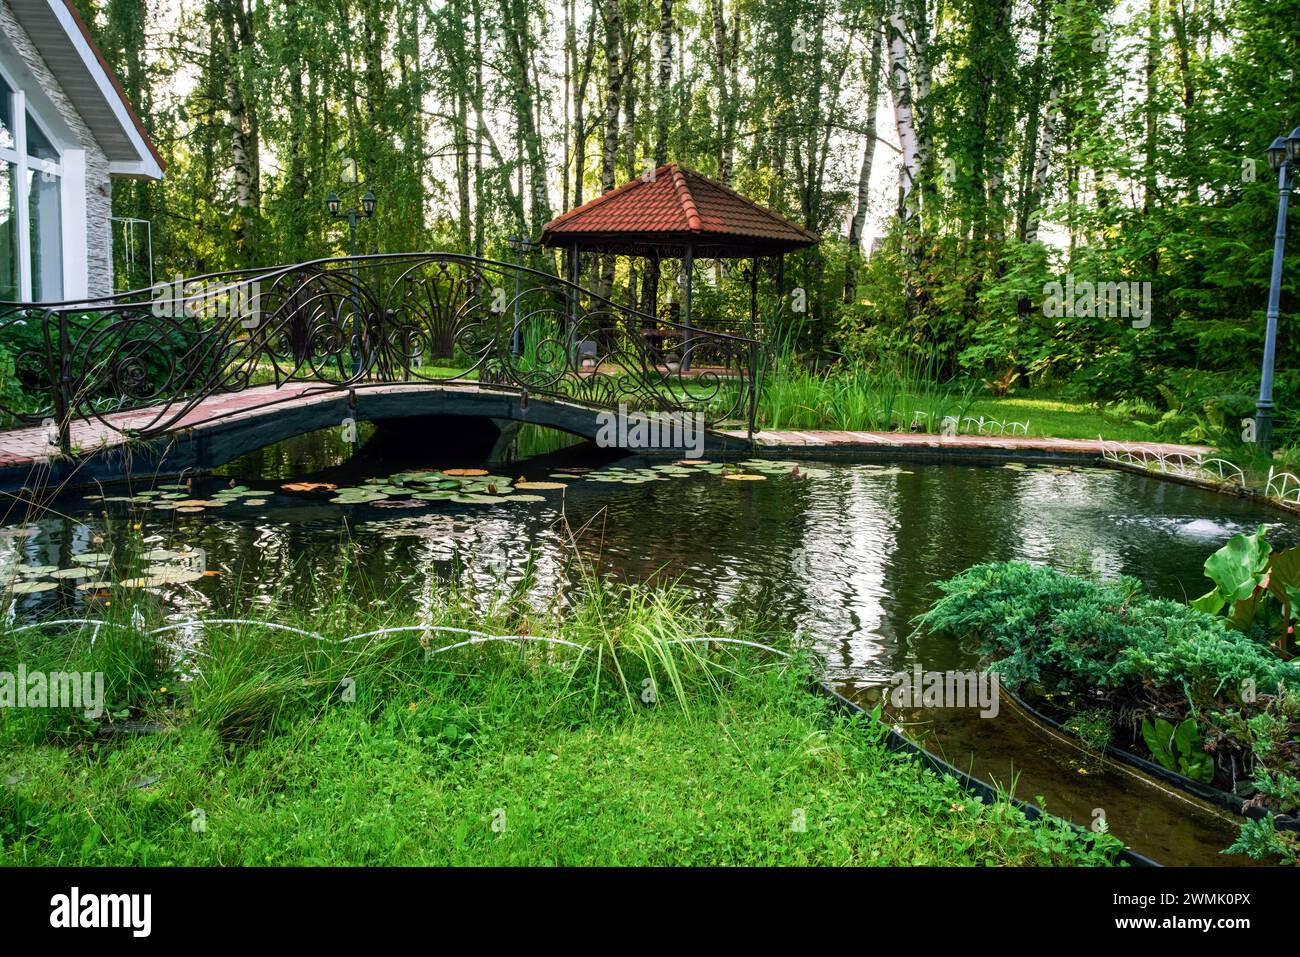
(676,213)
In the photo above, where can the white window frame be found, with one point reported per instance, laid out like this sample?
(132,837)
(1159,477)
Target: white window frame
(70,168)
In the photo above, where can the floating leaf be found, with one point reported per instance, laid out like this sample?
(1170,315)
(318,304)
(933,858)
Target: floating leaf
(744,477)
(73,573)
(31,588)
(309,486)
(91,558)
(166,555)
(171,575)
(541,486)
(465,472)
(35,571)
(357,497)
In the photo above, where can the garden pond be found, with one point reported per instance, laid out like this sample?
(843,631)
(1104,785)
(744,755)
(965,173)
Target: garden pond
(844,553)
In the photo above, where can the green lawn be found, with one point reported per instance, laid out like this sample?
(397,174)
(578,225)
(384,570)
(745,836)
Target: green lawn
(1050,415)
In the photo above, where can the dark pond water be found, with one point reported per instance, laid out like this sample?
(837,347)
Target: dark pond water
(846,554)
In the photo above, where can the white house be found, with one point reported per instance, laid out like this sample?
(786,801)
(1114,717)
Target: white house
(65,130)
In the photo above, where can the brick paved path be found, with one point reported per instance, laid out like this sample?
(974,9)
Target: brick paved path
(903,441)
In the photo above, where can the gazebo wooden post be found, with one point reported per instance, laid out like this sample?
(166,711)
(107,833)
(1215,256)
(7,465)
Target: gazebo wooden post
(753,296)
(688,264)
(779,314)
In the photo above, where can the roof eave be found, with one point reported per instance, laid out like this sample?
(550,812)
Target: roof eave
(37,17)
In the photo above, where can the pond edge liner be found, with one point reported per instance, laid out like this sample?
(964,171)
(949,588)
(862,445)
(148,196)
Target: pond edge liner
(985,792)
(1220,798)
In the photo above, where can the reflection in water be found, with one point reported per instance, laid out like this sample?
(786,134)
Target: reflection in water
(848,559)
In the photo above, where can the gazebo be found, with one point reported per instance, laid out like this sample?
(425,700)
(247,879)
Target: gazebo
(676,213)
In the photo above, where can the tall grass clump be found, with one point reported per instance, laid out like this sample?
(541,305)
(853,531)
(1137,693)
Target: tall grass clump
(905,394)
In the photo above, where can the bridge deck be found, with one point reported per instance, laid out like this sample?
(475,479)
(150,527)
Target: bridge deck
(221,427)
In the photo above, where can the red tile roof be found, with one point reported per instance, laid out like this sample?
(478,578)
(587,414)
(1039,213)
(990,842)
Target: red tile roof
(674,207)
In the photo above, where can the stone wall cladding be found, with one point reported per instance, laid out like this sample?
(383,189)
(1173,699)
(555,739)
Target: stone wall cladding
(99,187)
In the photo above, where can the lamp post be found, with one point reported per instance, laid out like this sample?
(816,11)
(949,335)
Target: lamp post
(520,246)
(368,203)
(1284,157)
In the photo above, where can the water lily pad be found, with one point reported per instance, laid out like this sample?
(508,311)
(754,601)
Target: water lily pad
(309,486)
(94,586)
(465,472)
(32,587)
(190,509)
(35,571)
(74,573)
(171,575)
(692,462)
(255,502)
(527,498)
(475,499)
(166,555)
(439,496)
(541,486)
(744,477)
(91,558)
(357,496)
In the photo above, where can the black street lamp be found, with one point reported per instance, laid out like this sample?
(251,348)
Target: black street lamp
(1284,157)
(334,205)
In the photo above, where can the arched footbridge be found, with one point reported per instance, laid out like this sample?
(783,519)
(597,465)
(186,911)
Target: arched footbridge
(189,375)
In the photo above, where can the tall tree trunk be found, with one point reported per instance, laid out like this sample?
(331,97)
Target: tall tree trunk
(863,201)
(613,16)
(243,147)
(1042,166)
(725,43)
(904,116)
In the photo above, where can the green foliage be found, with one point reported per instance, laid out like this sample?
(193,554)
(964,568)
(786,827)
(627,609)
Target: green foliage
(1179,748)
(898,395)
(1092,727)
(1076,639)
(1037,625)
(1255,587)
(1260,840)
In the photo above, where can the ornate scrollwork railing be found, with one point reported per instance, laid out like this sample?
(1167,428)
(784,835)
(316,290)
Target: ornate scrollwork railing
(141,362)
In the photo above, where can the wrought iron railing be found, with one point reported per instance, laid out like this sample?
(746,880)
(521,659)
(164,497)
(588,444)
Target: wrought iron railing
(350,323)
